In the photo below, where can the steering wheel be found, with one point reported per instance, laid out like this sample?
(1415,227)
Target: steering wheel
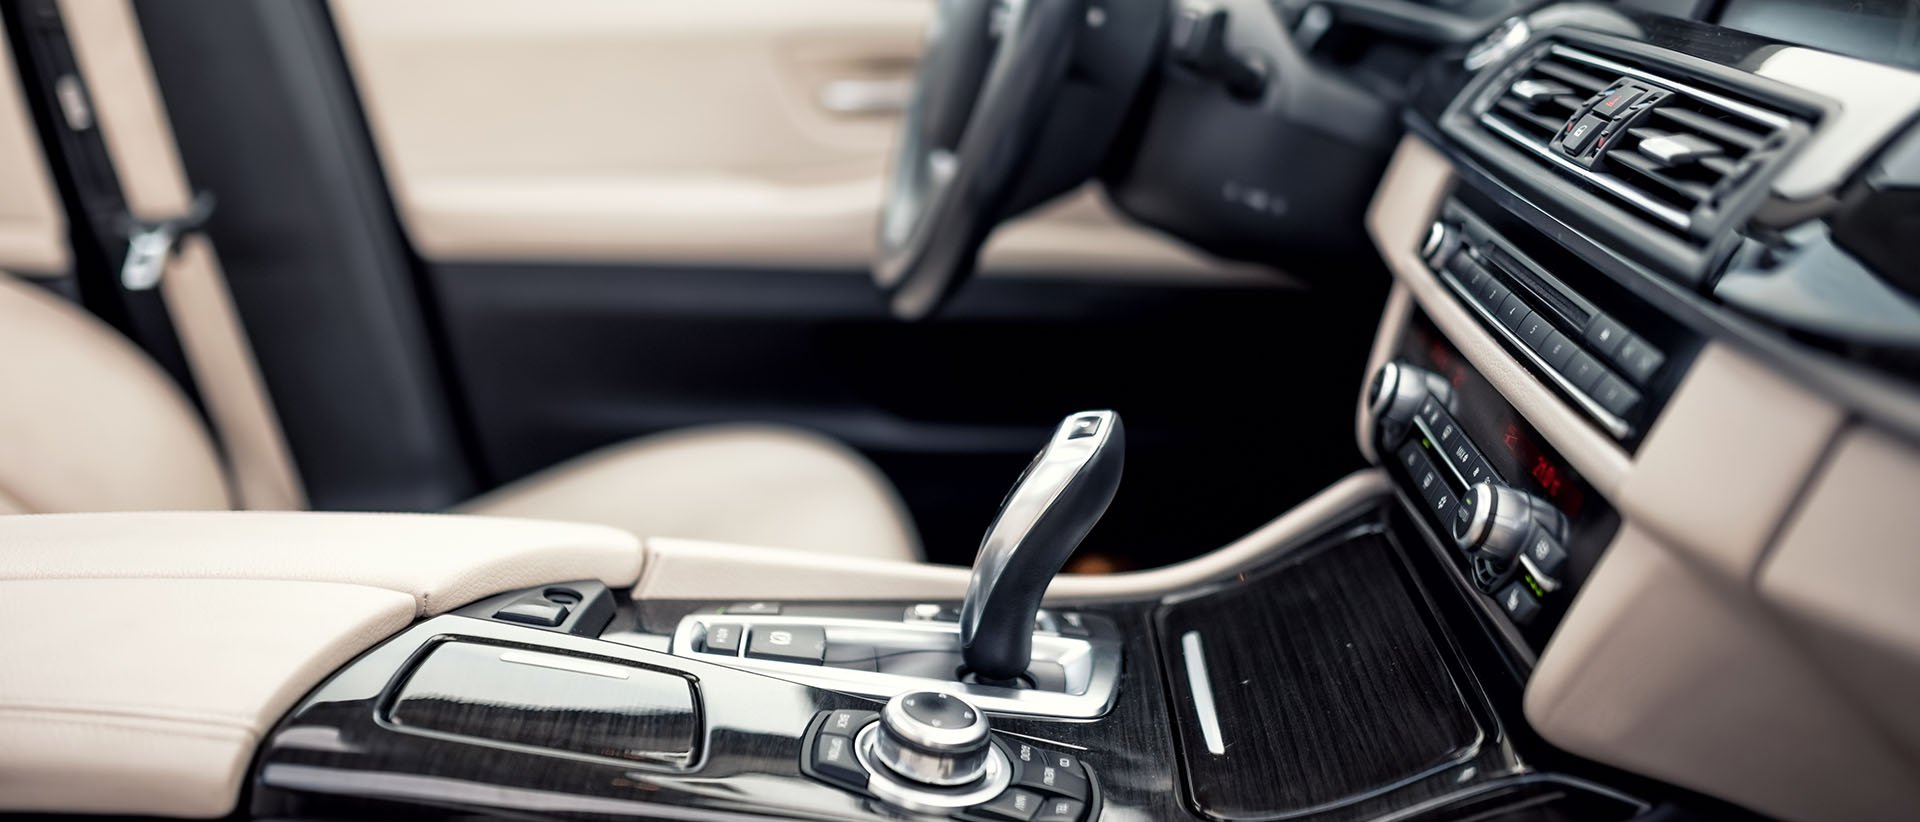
(992,72)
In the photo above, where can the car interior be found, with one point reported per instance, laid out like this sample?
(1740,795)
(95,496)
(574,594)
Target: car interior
(988,410)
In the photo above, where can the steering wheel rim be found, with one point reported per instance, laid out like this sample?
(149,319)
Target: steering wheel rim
(992,71)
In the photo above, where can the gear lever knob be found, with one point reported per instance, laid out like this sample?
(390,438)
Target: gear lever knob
(1051,508)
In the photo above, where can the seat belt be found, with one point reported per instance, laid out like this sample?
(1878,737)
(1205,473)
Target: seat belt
(110,109)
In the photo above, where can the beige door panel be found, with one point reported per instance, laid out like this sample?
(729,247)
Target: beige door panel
(723,131)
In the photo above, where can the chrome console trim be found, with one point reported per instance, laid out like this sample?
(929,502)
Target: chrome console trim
(1091,666)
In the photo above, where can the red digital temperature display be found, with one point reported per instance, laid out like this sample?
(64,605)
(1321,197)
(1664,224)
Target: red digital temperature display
(1549,477)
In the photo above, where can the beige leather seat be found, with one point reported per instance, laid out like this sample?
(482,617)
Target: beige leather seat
(90,423)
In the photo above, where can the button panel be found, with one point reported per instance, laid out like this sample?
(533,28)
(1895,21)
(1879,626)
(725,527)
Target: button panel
(1047,784)
(1593,357)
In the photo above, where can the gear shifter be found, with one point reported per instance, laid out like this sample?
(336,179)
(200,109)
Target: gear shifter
(1051,508)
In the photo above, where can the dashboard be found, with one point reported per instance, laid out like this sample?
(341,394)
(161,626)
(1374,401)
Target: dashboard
(1646,298)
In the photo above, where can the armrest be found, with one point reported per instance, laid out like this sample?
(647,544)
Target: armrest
(146,654)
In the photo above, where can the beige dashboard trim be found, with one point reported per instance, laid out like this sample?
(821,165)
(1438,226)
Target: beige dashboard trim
(1658,670)
(1846,570)
(688,569)
(1783,690)
(1416,182)
(1731,451)
(33,227)
(151,652)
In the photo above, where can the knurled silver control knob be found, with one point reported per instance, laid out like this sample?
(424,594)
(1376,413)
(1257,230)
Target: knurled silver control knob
(1503,520)
(1396,394)
(933,738)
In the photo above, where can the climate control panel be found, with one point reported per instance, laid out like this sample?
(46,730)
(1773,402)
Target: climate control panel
(1517,523)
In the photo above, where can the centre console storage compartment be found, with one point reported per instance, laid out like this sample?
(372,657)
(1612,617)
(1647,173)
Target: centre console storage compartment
(548,702)
(1311,686)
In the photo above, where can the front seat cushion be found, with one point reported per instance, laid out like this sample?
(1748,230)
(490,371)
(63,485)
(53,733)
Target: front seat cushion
(744,484)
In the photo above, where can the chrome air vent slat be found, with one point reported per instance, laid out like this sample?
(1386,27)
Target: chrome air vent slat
(1671,149)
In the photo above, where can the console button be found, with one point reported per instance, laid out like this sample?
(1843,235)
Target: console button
(1605,334)
(833,758)
(1465,459)
(1518,602)
(1638,359)
(1583,371)
(1060,810)
(1028,755)
(1492,293)
(1427,479)
(805,644)
(1557,350)
(1471,274)
(1073,624)
(1411,457)
(533,612)
(1546,554)
(723,638)
(1443,504)
(1015,804)
(1513,312)
(1615,396)
(1534,330)
(1616,101)
(753,608)
(847,723)
(1583,134)
(1431,413)
(1053,779)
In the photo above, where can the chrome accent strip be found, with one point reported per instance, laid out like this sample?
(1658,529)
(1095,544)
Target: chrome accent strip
(1092,666)
(1667,214)
(1614,425)
(1754,112)
(564,663)
(1196,660)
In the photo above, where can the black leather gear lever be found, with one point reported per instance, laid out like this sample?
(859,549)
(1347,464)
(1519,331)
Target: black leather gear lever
(1051,508)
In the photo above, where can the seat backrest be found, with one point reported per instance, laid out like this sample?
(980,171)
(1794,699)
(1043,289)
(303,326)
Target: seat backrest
(88,422)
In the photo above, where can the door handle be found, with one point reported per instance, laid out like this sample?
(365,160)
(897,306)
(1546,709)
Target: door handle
(866,96)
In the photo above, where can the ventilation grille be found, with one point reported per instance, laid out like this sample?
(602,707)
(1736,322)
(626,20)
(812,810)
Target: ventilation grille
(1675,151)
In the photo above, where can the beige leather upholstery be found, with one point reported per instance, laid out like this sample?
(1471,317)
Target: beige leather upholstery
(1750,633)
(131,682)
(149,696)
(33,229)
(90,423)
(747,484)
(126,103)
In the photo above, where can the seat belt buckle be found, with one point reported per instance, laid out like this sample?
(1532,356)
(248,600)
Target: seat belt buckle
(150,243)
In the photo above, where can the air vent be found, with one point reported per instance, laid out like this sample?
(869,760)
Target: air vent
(1674,150)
